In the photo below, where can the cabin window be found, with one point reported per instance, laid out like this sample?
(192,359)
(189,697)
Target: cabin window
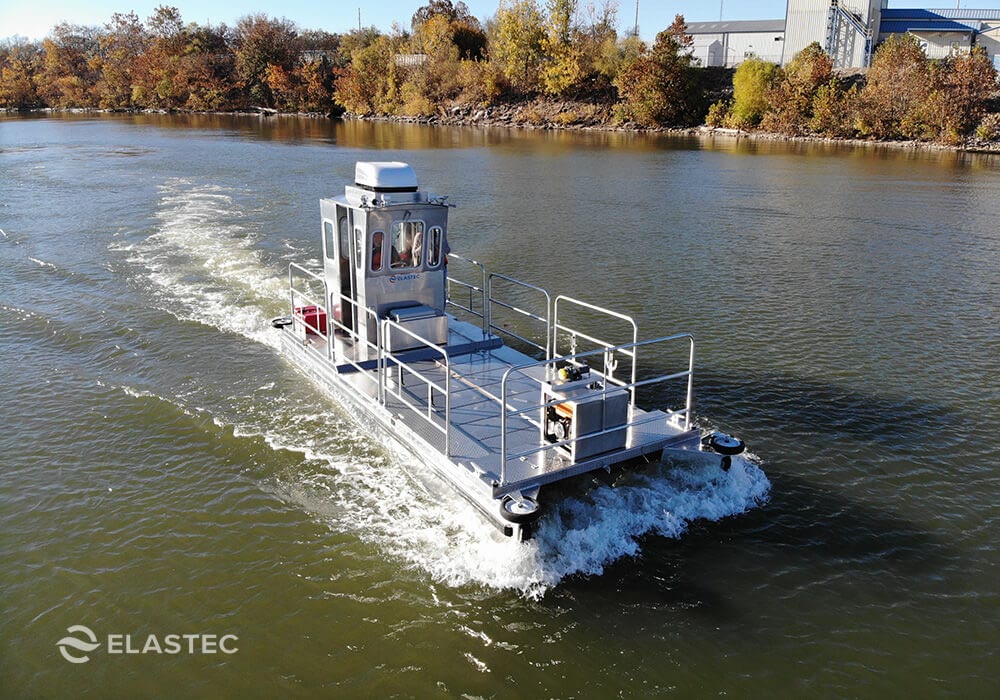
(407,243)
(345,239)
(378,239)
(329,240)
(434,247)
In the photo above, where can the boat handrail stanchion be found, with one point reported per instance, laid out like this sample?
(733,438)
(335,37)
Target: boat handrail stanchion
(545,320)
(627,349)
(329,323)
(690,387)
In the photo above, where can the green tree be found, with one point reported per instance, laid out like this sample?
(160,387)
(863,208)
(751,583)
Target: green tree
(662,87)
(752,81)
(515,43)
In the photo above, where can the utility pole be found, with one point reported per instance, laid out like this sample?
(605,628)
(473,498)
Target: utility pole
(636,31)
(359,20)
(721,3)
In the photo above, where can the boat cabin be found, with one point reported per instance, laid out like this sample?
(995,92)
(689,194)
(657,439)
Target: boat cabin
(384,254)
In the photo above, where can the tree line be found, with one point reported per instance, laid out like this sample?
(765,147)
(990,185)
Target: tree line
(446,57)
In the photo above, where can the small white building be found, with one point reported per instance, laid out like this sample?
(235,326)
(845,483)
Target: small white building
(728,44)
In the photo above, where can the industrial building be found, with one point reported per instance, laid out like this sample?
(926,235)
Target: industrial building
(849,30)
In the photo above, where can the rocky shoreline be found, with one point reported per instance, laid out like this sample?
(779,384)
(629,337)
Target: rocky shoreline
(565,116)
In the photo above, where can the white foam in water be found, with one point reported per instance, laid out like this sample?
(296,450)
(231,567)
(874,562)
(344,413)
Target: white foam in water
(202,258)
(203,261)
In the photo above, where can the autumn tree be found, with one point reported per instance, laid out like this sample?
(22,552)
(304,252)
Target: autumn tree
(466,32)
(515,42)
(961,88)
(71,66)
(122,43)
(264,47)
(563,58)
(20,65)
(601,57)
(209,69)
(835,111)
(372,83)
(661,87)
(791,98)
(157,73)
(896,87)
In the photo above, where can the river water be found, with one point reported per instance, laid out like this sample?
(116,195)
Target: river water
(165,472)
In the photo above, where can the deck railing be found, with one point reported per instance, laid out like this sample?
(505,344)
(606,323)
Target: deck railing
(403,370)
(547,368)
(424,398)
(495,301)
(476,291)
(300,298)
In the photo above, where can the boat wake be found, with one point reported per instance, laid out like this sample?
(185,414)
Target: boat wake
(202,264)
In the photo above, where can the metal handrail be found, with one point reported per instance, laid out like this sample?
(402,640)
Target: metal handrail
(631,386)
(386,355)
(609,347)
(546,319)
(292,268)
(360,338)
(471,288)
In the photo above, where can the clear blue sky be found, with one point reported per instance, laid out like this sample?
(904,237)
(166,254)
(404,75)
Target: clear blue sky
(34,19)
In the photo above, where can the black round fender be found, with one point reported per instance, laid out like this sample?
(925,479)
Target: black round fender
(724,444)
(520,510)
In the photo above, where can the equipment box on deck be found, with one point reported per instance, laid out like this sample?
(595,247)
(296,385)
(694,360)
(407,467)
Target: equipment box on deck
(589,415)
(314,318)
(430,324)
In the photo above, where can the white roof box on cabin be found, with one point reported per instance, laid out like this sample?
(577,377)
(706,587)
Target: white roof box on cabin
(383,184)
(390,176)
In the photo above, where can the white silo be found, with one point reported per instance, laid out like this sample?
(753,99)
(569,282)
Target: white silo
(846,29)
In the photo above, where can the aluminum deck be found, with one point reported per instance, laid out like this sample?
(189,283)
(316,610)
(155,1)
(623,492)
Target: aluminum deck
(475,440)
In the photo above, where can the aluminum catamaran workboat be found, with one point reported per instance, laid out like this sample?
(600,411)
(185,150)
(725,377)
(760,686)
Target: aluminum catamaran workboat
(492,383)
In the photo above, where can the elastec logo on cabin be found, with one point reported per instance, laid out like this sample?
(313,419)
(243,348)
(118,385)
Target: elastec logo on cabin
(403,278)
(76,648)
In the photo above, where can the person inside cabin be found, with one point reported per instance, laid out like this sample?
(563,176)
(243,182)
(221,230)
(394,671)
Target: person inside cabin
(377,251)
(400,246)
(418,246)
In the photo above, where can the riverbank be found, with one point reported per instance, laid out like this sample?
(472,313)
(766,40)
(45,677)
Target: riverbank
(559,115)
(578,115)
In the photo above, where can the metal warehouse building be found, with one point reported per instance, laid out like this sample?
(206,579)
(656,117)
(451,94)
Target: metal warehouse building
(849,30)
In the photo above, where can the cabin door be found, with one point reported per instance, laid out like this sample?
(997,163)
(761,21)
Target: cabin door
(338,267)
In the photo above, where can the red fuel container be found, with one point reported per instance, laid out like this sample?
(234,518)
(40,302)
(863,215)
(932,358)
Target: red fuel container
(314,317)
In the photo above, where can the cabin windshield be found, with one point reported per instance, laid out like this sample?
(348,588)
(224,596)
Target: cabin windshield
(407,243)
